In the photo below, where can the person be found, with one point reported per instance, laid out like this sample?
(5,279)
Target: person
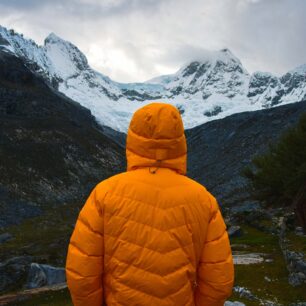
(151,235)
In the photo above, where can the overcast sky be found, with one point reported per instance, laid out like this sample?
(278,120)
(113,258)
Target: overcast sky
(135,40)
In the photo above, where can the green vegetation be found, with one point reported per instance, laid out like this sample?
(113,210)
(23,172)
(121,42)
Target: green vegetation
(45,238)
(267,280)
(256,240)
(298,243)
(278,177)
(56,298)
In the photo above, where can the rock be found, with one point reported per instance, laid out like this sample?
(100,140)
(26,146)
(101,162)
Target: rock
(5,237)
(229,303)
(14,273)
(19,272)
(296,265)
(299,231)
(290,220)
(44,275)
(301,266)
(295,280)
(244,292)
(248,206)
(36,277)
(247,259)
(268,279)
(302,276)
(234,231)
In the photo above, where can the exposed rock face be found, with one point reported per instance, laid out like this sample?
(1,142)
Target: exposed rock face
(51,149)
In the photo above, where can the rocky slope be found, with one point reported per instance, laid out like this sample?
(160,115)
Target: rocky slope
(52,151)
(210,87)
(219,150)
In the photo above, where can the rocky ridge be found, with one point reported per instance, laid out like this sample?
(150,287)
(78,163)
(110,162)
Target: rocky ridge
(211,87)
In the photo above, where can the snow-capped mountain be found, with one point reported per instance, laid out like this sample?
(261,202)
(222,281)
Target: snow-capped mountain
(211,87)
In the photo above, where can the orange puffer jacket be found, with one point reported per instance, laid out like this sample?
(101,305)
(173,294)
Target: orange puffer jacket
(151,235)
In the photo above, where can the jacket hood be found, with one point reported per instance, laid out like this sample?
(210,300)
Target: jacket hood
(156,138)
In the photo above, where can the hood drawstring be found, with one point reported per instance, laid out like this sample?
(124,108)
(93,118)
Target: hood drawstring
(158,162)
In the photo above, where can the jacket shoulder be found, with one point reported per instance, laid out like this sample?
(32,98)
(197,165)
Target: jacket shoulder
(106,185)
(203,195)
(194,185)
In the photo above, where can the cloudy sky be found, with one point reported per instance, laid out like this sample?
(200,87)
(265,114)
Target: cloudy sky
(135,40)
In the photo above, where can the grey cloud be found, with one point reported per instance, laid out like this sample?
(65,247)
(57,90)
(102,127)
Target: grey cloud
(158,36)
(273,33)
(94,8)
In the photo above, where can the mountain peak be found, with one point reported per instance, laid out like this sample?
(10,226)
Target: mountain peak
(53,38)
(208,62)
(212,57)
(66,58)
(211,85)
(225,50)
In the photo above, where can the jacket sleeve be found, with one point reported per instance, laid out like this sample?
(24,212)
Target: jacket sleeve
(84,264)
(216,269)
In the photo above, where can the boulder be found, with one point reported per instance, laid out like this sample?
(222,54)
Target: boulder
(247,259)
(234,231)
(295,280)
(245,293)
(44,275)
(14,273)
(5,237)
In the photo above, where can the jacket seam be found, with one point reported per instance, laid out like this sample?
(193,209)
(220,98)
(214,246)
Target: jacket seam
(150,272)
(82,276)
(218,261)
(141,246)
(133,288)
(216,239)
(145,224)
(87,225)
(149,184)
(83,252)
(145,203)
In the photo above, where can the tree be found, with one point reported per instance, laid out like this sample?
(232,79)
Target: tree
(278,177)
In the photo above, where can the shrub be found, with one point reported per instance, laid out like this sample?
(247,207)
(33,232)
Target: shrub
(278,177)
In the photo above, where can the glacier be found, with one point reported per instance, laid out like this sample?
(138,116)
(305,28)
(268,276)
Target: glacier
(210,87)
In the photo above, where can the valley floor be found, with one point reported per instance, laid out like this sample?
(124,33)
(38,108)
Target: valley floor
(261,283)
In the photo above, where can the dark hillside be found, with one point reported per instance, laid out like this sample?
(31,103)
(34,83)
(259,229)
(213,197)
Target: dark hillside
(219,150)
(51,149)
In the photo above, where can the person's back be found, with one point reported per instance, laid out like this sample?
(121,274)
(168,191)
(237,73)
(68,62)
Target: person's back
(151,235)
